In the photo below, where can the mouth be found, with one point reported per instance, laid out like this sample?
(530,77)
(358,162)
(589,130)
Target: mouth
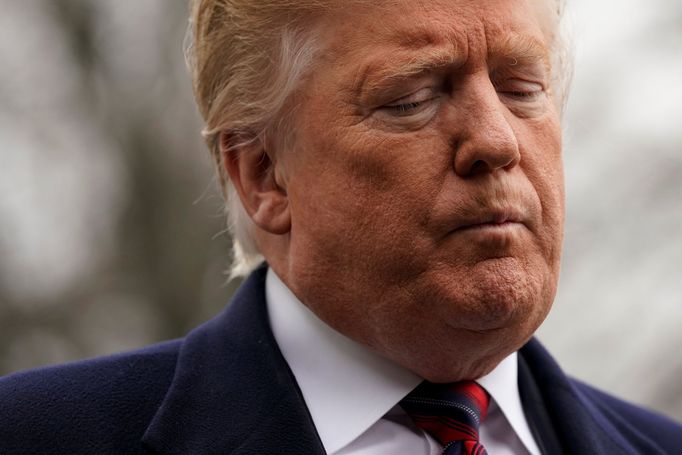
(492,220)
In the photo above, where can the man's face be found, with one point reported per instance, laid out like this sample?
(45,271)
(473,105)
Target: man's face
(425,185)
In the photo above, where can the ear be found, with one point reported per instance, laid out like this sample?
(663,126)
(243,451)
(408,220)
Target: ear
(253,173)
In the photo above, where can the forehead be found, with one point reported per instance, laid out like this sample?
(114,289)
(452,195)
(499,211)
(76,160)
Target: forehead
(452,29)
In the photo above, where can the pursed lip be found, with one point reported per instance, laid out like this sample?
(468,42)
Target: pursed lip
(490,218)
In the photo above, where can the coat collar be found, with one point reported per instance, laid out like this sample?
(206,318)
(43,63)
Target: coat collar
(232,392)
(577,413)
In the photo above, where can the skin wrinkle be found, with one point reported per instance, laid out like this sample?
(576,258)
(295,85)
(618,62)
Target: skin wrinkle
(526,49)
(379,73)
(235,76)
(506,50)
(374,254)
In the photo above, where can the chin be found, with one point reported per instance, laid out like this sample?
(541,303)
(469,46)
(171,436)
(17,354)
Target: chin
(470,367)
(491,296)
(479,325)
(441,353)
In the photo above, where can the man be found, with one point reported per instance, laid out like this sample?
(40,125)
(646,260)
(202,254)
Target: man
(398,165)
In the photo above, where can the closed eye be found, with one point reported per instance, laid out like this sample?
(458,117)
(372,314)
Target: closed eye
(522,95)
(519,90)
(404,108)
(409,105)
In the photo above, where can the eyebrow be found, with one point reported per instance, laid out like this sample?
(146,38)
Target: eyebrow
(425,62)
(521,49)
(386,71)
(516,49)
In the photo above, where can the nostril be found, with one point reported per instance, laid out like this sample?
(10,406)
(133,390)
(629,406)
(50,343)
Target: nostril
(479,167)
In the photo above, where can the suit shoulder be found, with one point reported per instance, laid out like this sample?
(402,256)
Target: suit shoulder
(106,398)
(99,375)
(634,420)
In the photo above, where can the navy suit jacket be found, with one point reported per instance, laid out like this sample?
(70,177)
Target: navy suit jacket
(226,389)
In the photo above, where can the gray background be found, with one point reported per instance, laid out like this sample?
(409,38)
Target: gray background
(111,233)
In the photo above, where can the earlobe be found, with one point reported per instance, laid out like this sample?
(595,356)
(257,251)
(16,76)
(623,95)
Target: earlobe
(253,173)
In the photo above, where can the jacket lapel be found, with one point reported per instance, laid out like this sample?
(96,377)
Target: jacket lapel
(552,400)
(233,392)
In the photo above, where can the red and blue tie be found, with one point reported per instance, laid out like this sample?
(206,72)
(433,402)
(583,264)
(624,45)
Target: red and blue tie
(451,413)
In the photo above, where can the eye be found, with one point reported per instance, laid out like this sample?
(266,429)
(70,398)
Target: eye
(523,95)
(522,91)
(412,104)
(403,109)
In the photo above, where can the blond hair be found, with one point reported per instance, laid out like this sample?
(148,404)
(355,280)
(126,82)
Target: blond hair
(246,58)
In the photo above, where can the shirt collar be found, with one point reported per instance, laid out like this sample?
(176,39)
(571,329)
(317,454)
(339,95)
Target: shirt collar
(502,385)
(348,387)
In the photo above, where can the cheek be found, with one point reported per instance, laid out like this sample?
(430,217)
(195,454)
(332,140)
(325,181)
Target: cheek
(543,165)
(377,174)
(373,198)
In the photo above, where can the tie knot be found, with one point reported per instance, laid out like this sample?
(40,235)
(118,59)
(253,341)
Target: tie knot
(449,412)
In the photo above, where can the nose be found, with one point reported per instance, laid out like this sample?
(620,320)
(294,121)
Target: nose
(485,141)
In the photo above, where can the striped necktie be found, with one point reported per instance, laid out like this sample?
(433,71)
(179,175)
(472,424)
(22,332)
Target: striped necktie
(451,413)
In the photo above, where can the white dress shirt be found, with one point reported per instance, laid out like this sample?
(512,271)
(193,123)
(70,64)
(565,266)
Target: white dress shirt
(352,393)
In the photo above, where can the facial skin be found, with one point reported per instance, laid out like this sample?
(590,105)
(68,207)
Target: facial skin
(420,210)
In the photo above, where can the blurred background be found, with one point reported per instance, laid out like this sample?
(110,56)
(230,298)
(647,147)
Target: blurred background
(111,229)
